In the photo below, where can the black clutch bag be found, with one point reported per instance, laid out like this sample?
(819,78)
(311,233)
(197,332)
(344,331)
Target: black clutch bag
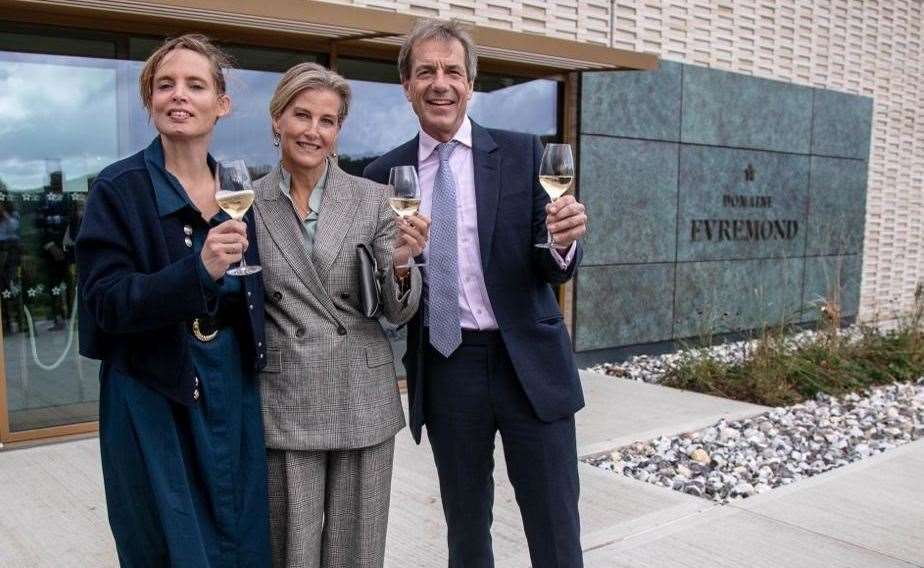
(370,283)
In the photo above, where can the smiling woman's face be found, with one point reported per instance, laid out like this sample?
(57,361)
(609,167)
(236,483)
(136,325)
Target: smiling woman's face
(308,128)
(185,102)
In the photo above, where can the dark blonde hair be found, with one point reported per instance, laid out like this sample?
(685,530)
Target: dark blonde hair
(198,43)
(306,77)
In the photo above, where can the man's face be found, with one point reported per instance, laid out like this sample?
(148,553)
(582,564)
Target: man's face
(438,86)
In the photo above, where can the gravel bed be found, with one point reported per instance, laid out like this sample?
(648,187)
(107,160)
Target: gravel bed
(651,369)
(733,460)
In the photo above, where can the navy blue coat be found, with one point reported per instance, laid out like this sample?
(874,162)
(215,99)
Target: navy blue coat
(518,276)
(140,285)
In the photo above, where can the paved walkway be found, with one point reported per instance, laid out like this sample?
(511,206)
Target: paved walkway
(865,515)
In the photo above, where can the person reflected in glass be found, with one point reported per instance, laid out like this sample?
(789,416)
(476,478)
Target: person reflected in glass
(181,434)
(52,220)
(10,255)
(330,398)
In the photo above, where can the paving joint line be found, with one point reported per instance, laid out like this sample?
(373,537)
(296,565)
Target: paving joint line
(824,535)
(649,529)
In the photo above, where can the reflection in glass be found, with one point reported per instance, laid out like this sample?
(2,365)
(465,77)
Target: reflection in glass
(59,117)
(62,120)
(65,118)
(381,119)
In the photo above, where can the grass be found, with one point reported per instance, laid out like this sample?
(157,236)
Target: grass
(777,372)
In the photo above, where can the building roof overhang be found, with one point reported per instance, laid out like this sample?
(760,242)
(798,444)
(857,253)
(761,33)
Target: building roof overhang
(342,24)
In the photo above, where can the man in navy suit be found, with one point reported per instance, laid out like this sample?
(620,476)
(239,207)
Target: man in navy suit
(488,352)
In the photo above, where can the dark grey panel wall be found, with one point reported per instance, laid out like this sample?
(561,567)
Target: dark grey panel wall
(841,125)
(624,305)
(632,190)
(734,296)
(828,277)
(837,212)
(728,109)
(633,104)
(717,202)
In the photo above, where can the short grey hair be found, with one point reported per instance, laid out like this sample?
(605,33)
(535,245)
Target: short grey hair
(444,30)
(309,76)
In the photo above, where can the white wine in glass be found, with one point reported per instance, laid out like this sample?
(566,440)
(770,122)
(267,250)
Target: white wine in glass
(556,174)
(406,201)
(404,206)
(556,186)
(235,203)
(235,196)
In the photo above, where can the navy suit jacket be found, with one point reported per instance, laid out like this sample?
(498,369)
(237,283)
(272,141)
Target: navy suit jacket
(518,276)
(140,285)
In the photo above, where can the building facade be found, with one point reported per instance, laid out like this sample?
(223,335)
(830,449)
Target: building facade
(873,49)
(69,106)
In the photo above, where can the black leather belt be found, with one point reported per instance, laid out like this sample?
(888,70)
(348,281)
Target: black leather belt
(481,337)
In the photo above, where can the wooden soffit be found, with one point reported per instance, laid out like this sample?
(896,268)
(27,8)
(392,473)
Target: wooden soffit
(341,24)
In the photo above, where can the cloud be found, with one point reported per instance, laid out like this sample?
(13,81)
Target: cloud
(81,114)
(380,119)
(526,107)
(54,108)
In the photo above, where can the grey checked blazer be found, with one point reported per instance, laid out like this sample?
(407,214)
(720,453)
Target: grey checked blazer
(329,381)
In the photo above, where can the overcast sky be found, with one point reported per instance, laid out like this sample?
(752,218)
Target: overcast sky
(64,112)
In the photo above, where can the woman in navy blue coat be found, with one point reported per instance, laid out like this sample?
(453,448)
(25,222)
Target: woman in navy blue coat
(181,434)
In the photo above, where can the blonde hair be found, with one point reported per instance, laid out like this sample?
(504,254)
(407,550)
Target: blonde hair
(309,76)
(443,30)
(198,43)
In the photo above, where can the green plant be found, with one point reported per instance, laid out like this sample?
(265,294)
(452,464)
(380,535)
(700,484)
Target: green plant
(777,371)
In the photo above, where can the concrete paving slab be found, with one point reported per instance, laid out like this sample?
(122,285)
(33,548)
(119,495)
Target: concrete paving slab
(53,508)
(725,537)
(619,412)
(876,503)
(612,507)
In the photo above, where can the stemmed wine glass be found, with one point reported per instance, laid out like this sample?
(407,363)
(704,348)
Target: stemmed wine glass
(406,201)
(235,196)
(556,174)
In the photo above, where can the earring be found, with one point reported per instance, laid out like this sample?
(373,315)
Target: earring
(276,139)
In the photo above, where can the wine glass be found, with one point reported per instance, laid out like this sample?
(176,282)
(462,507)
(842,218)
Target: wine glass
(556,174)
(406,201)
(235,196)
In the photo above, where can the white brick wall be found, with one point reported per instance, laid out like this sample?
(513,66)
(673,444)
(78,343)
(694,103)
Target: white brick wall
(864,47)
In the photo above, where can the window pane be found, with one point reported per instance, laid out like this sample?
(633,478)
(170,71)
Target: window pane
(381,118)
(63,119)
(244,134)
(59,117)
(525,107)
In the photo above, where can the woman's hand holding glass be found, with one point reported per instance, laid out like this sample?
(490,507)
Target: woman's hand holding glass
(413,229)
(235,196)
(224,245)
(410,239)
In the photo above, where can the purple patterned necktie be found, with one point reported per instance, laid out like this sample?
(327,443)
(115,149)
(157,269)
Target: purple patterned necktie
(443,269)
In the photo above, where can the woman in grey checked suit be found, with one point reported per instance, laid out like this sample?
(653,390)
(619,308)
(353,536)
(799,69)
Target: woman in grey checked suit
(330,401)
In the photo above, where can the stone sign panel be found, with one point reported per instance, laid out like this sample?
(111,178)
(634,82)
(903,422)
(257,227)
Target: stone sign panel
(718,202)
(738,204)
